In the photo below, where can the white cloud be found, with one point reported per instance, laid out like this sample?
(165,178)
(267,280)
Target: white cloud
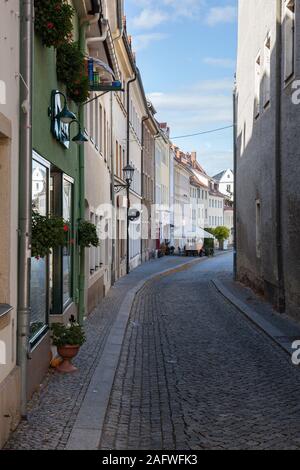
(222,84)
(150,16)
(142,41)
(149,19)
(222,63)
(218,15)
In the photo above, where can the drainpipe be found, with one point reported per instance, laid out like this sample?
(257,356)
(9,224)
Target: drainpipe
(112,196)
(102,38)
(132,80)
(278,166)
(81,303)
(235,182)
(25,198)
(142,173)
(85,23)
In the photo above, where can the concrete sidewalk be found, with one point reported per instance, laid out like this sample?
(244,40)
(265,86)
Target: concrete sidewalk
(282,329)
(68,410)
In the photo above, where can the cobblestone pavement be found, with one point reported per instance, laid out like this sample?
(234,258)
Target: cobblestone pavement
(53,410)
(194,374)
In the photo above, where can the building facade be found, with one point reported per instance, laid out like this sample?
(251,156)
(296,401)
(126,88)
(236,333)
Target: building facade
(226,183)
(9,174)
(267,108)
(150,130)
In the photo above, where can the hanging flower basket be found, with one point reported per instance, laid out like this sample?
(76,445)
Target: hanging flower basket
(48,233)
(53,21)
(87,235)
(71,70)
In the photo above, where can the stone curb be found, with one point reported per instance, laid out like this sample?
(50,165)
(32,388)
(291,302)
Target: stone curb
(274,333)
(87,431)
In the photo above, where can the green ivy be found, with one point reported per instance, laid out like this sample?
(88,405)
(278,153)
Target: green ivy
(47,233)
(70,67)
(53,21)
(87,234)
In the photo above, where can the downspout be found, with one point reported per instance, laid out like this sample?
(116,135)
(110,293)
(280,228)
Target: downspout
(81,306)
(102,38)
(235,182)
(146,118)
(132,80)
(278,166)
(85,23)
(112,196)
(25,198)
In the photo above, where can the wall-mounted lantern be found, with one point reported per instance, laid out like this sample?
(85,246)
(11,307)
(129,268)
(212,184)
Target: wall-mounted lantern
(61,120)
(128,173)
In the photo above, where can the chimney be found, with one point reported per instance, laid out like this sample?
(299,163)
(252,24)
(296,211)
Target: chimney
(194,157)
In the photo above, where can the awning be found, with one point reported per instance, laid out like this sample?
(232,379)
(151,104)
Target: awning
(103,65)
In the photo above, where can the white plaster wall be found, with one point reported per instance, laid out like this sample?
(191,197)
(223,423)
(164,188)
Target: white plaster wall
(9,107)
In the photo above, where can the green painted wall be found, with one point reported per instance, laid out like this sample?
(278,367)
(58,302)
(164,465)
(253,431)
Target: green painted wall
(67,160)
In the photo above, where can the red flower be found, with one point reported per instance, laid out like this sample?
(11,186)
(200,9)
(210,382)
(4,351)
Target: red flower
(50,25)
(57,7)
(66,228)
(37,258)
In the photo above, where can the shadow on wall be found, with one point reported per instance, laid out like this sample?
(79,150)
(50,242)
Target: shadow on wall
(257,184)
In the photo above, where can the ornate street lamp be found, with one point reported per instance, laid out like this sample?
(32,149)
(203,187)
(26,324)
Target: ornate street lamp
(128,173)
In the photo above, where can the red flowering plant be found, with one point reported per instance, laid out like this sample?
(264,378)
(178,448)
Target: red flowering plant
(53,21)
(48,233)
(71,70)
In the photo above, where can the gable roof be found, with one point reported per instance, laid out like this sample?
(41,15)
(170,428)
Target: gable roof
(219,176)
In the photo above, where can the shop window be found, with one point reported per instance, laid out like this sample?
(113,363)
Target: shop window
(61,260)
(39,286)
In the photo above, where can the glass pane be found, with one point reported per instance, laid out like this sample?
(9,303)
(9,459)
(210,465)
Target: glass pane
(67,251)
(39,284)
(39,188)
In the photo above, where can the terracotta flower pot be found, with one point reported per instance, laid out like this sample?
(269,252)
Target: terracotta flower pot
(67,352)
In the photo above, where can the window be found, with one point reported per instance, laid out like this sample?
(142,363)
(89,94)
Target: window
(100,128)
(289,38)
(257,87)
(105,137)
(117,159)
(61,260)
(267,71)
(92,250)
(67,207)
(97,126)
(39,267)
(258,229)
(91,121)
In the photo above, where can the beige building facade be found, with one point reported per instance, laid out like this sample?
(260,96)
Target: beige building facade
(9,155)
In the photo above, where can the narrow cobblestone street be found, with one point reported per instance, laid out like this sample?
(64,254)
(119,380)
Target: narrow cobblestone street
(194,374)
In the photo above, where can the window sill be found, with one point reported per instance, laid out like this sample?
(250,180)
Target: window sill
(5,315)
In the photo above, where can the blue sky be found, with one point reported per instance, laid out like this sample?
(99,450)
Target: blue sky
(186,51)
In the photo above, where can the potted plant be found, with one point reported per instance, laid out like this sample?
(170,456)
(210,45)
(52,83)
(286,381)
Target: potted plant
(53,21)
(68,339)
(87,234)
(47,233)
(71,70)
